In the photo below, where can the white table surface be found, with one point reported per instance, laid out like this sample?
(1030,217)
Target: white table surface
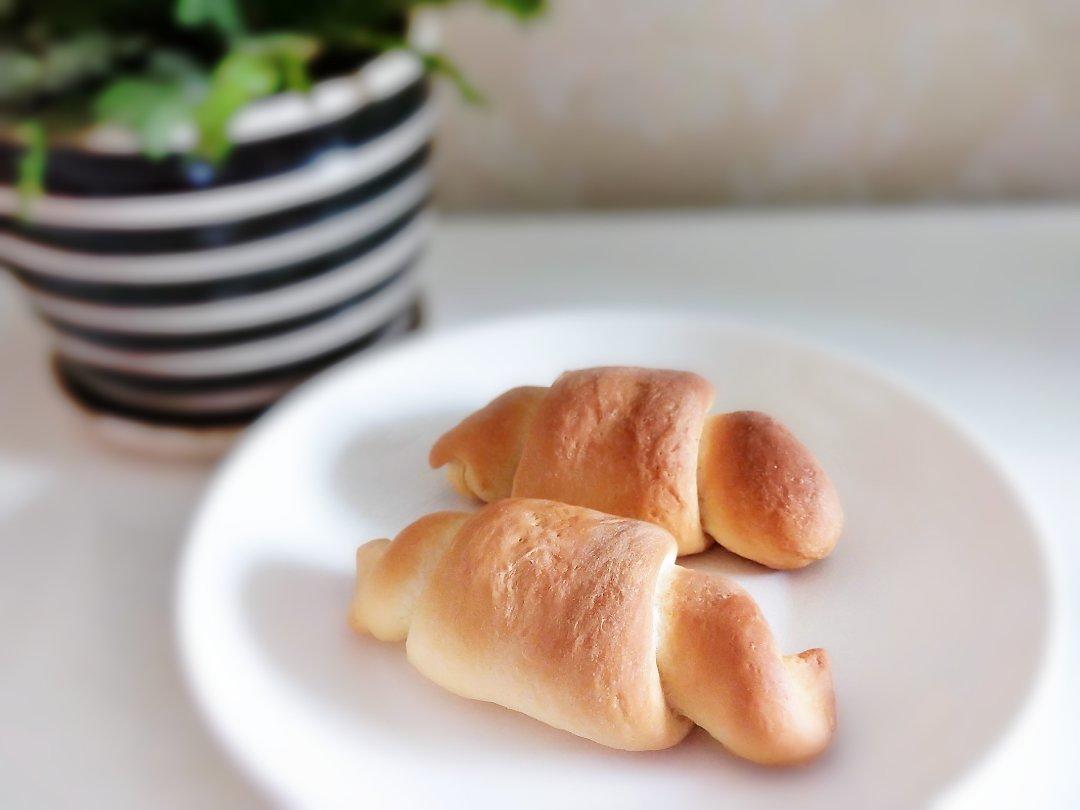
(979,309)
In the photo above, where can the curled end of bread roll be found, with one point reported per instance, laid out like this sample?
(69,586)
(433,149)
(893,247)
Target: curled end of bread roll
(391,574)
(482,452)
(722,668)
(811,676)
(763,495)
(367,559)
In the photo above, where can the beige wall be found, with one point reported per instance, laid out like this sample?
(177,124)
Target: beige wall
(648,102)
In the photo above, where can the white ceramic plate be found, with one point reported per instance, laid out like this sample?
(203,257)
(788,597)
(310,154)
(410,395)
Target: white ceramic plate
(934,606)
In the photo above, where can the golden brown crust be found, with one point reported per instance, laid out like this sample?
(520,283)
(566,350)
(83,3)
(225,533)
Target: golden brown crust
(483,450)
(763,495)
(390,576)
(548,609)
(581,619)
(623,441)
(721,667)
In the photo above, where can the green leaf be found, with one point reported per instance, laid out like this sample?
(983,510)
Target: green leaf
(295,73)
(31,169)
(441,65)
(66,62)
(523,9)
(239,79)
(20,72)
(178,66)
(291,53)
(378,40)
(156,106)
(255,68)
(297,45)
(221,14)
(154,110)
(53,67)
(436,63)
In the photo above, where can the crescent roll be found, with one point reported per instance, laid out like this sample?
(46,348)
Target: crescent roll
(640,443)
(583,620)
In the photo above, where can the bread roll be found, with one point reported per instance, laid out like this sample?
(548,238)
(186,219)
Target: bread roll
(639,443)
(583,620)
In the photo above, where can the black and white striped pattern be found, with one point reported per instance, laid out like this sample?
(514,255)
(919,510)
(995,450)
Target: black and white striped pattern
(182,294)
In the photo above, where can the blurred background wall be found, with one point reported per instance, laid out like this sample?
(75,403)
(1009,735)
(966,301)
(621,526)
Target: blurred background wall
(687,102)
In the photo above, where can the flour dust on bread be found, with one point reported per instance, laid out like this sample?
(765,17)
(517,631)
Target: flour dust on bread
(640,443)
(583,620)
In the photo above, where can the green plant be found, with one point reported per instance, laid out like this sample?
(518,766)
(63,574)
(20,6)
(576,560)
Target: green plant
(156,65)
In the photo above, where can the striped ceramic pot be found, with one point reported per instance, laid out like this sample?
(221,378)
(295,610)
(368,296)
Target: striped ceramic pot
(181,294)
